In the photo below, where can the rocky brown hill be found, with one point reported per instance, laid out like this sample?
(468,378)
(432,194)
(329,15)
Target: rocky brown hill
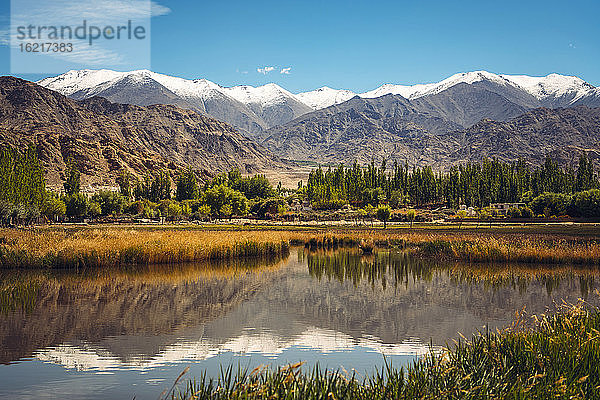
(563,133)
(104,137)
(437,130)
(390,126)
(361,129)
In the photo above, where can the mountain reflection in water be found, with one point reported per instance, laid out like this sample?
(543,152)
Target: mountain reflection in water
(336,308)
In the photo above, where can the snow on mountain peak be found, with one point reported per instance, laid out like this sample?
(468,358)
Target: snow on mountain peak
(76,80)
(420,90)
(265,95)
(324,97)
(389,88)
(554,86)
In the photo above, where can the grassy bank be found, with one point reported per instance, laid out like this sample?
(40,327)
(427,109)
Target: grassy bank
(77,247)
(556,357)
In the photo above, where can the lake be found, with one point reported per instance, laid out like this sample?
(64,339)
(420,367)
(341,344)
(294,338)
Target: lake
(125,333)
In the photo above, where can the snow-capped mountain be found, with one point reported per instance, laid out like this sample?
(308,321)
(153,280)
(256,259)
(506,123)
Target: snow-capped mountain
(325,97)
(553,90)
(253,110)
(249,109)
(265,95)
(420,90)
(271,102)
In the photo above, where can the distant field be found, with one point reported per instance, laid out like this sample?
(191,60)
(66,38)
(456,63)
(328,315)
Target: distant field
(289,178)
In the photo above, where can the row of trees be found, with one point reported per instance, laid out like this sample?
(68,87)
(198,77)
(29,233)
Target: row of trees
(228,194)
(547,189)
(22,188)
(472,184)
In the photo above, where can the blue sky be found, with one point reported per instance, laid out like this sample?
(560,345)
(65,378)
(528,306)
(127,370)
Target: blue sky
(360,45)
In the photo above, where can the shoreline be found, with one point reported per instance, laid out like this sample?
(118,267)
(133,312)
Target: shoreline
(77,246)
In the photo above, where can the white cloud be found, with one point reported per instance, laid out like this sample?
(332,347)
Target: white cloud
(98,12)
(265,70)
(69,11)
(158,9)
(285,71)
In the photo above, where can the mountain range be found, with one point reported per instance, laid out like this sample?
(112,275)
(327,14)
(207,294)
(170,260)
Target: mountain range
(142,121)
(249,109)
(252,110)
(104,137)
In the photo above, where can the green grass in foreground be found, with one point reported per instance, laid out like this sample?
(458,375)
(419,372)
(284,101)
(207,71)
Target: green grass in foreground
(558,358)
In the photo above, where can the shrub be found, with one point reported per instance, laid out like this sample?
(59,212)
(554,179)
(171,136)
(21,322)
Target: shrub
(76,205)
(526,212)
(585,204)
(551,204)
(53,207)
(111,203)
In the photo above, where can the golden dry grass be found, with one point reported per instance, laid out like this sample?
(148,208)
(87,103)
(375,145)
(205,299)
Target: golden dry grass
(114,245)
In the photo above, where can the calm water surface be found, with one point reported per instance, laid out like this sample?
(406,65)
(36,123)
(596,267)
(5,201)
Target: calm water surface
(120,334)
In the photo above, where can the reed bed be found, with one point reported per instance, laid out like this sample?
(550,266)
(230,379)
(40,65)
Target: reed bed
(522,249)
(471,247)
(82,247)
(110,247)
(555,357)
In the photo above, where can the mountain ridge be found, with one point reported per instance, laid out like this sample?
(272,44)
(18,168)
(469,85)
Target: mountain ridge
(254,110)
(104,137)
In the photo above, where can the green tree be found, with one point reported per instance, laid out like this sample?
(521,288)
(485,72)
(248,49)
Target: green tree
(111,203)
(398,199)
(586,204)
(370,212)
(526,212)
(22,185)
(159,187)
(551,204)
(204,211)
(383,214)
(53,208)
(125,182)
(226,211)
(173,210)
(187,185)
(93,209)
(218,196)
(514,212)
(72,184)
(76,205)
(411,217)
(585,174)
